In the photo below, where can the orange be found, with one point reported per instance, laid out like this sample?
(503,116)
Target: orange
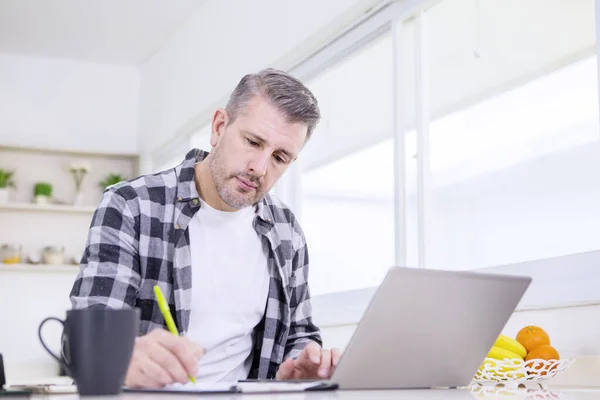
(532,336)
(544,352)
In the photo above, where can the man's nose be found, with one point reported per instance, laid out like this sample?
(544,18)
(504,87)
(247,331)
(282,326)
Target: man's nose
(259,164)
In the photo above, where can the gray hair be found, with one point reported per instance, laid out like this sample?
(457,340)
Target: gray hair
(283,91)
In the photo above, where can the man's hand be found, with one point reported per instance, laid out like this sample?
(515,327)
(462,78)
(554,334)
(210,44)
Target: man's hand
(313,363)
(161,358)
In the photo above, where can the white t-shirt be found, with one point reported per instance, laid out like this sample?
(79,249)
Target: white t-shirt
(230,283)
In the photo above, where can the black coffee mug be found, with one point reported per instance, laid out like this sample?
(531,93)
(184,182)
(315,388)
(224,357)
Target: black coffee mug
(96,348)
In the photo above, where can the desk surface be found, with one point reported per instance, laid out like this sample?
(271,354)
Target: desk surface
(451,394)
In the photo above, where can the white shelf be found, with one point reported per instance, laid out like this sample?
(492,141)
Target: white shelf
(47,208)
(69,152)
(39,268)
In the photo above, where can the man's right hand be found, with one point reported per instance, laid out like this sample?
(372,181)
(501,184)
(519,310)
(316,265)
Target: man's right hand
(161,358)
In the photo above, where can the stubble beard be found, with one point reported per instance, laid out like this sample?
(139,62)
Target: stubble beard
(232,196)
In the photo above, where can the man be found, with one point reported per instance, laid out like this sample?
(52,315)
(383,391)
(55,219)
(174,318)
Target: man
(230,258)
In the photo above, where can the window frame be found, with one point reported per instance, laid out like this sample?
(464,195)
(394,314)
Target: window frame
(393,16)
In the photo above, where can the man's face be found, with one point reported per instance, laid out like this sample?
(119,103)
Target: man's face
(250,154)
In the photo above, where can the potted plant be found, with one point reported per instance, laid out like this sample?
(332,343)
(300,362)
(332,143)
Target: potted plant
(6,182)
(79,171)
(42,192)
(111,179)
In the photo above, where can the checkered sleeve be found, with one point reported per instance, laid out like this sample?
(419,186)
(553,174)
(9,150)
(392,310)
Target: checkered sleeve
(109,272)
(302,329)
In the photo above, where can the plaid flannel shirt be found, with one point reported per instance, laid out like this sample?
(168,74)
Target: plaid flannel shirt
(138,238)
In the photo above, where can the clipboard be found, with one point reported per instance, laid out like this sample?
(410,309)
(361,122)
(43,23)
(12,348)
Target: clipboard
(246,386)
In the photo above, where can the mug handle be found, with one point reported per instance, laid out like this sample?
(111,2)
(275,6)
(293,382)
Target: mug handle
(61,362)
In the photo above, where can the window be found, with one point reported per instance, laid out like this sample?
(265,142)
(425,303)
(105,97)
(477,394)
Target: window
(201,139)
(347,202)
(174,154)
(496,103)
(171,155)
(514,132)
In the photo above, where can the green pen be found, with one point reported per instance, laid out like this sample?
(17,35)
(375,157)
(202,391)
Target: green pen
(164,308)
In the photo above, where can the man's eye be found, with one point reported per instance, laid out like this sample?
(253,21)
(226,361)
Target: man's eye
(279,160)
(252,143)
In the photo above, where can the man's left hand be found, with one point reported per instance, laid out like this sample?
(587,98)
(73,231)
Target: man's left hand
(313,363)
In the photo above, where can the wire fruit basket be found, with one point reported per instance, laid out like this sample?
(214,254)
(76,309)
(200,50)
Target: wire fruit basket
(515,371)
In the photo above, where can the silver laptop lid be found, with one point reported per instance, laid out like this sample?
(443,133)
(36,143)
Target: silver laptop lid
(428,328)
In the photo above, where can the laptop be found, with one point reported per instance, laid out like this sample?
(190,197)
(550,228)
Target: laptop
(428,328)
(423,328)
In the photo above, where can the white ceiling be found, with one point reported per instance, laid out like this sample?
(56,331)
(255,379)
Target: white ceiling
(101,31)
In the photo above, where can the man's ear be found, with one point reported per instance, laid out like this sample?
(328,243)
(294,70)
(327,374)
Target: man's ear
(219,122)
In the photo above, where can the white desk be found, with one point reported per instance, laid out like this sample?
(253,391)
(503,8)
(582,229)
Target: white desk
(458,394)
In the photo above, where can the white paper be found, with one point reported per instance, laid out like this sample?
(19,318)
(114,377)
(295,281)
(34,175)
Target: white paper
(276,386)
(202,387)
(244,387)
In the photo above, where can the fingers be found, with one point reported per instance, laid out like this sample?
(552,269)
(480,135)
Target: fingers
(161,358)
(153,373)
(325,365)
(313,363)
(311,354)
(188,354)
(143,372)
(170,363)
(197,350)
(286,370)
(136,379)
(336,354)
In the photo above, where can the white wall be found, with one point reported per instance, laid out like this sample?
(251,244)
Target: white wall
(30,297)
(222,41)
(68,105)
(65,105)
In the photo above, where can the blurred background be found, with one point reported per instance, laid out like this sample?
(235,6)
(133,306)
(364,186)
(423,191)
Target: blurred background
(456,134)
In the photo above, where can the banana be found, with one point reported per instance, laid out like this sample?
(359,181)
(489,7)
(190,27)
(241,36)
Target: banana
(500,353)
(511,344)
(508,369)
(506,372)
(505,348)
